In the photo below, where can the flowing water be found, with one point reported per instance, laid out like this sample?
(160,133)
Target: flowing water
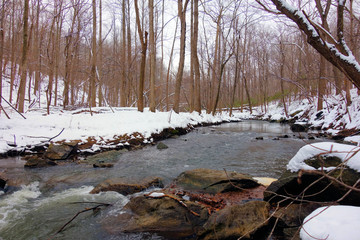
(49,197)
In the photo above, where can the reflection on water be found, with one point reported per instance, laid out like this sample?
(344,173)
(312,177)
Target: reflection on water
(43,200)
(256,127)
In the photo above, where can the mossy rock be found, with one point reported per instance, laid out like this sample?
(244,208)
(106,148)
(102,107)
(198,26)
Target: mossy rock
(125,187)
(325,161)
(213,181)
(236,221)
(164,216)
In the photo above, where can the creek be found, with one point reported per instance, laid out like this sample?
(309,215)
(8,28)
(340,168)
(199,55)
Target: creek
(47,198)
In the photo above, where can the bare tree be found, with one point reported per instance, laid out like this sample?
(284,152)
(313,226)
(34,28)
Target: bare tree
(2,25)
(152,56)
(21,92)
(194,57)
(92,91)
(179,75)
(143,40)
(335,49)
(123,57)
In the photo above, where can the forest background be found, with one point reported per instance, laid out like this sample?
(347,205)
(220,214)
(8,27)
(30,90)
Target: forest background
(182,55)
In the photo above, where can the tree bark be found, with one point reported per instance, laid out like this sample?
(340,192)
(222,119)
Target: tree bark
(196,58)
(92,101)
(179,75)
(2,19)
(152,56)
(123,58)
(143,40)
(21,92)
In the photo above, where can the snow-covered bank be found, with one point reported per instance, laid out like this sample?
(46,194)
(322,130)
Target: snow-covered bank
(103,126)
(335,116)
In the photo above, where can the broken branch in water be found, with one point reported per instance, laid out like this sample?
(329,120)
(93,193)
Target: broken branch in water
(96,208)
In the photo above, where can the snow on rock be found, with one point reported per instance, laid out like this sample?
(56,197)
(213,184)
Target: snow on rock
(347,153)
(156,194)
(353,139)
(332,223)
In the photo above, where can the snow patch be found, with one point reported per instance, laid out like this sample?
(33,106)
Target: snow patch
(332,223)
(349,154)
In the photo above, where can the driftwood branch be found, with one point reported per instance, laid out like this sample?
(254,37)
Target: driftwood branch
(96,208)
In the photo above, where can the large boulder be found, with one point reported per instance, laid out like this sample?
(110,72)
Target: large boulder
(164,216)
(125,188)
(313,186)
(291,217)
(214,181)
(60,151)
(237,221)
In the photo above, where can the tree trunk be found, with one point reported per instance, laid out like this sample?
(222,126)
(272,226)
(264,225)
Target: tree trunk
(143,40)
(99,72)
(21,92)
(192,77)
(179,75)
(282,75)
(196,59)
(169,67)
(2,19)
(123,58)
(130,84)
(152,56)
(321,84)
(92,101)
(37,51)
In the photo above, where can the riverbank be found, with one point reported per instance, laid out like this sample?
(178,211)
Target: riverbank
(103,129)
(337,118)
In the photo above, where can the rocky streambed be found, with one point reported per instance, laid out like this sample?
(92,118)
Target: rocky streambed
(203,188)
(216,204)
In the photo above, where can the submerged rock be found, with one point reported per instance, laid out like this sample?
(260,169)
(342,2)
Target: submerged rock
(236,221)
(103,165)
(126,188)
(161,146)
(104,157)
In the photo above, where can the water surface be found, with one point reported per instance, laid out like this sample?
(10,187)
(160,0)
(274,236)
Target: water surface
(45,201)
